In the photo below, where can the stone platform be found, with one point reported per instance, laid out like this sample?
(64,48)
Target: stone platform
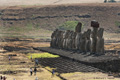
(104,62)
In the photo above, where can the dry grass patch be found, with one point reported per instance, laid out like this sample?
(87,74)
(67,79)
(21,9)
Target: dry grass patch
(88,76)
(41,55)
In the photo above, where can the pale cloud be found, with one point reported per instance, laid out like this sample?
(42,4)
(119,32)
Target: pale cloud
(44,2)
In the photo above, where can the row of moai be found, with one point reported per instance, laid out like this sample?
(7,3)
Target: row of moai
(91,41)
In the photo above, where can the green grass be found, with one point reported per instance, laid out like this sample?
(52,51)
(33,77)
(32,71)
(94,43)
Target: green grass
(41,55)
(28,31)
(68,25)
(117,23)
(28,27)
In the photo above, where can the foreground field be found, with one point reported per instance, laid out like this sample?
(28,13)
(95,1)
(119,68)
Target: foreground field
(20,64)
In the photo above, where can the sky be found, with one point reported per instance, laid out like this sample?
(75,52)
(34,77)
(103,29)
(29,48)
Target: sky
(44,2)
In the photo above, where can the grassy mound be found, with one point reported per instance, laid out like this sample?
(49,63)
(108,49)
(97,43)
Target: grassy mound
(68,25)
(41,55)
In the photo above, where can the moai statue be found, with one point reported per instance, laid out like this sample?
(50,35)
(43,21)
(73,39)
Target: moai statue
(78,35)
(77,41)
(95,26)
(78,27)
(64,39)
(53,38)
(88,41)
(60,39)
(100,42)
(57,39)
(59,43)
(83,42)
(73,40)
(65,44)
(69,43)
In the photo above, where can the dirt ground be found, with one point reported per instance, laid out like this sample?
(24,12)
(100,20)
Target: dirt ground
(19,65)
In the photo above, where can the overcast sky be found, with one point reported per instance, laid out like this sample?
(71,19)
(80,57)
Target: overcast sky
(45,2)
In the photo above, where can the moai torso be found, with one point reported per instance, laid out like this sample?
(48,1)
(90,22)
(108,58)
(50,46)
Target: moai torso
(77,40)
(64,39)
(88,41)
(95,26)
(83,42)
(74,37)
(67,39)
(69,46)
(52,39)
(60,39)
(100,42)
(54,33)
(55,38)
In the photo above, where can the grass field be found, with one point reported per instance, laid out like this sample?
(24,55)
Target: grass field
(41,55)
(25,32)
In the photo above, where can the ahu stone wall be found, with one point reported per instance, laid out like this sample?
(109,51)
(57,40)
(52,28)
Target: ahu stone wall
(91,41)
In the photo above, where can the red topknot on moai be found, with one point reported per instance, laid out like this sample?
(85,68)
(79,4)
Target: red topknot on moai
(97,45)
(94,24)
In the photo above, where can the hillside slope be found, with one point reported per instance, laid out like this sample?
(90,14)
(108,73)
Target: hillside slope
(50,17)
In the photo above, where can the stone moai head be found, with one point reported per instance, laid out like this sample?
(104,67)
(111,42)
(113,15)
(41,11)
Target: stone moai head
(56,29)
(67,33)
(100,33)
(84,35)
(64,34)
(72,34)
(88,33)
(56,32)
(60,34)
(94,24)
(75,33)
(78,27)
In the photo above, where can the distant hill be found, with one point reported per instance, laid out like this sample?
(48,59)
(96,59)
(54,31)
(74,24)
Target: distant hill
(51,17)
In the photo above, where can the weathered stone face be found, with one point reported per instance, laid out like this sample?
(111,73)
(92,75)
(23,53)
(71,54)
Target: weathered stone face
(100,32)
(78,27)
(100,42)
(88,41)
(88,34)
(77,41)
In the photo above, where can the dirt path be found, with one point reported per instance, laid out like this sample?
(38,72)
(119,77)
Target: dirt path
(20,65)
(19,68)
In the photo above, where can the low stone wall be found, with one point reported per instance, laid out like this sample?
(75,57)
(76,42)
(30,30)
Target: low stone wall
(108,66)
(106,63)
